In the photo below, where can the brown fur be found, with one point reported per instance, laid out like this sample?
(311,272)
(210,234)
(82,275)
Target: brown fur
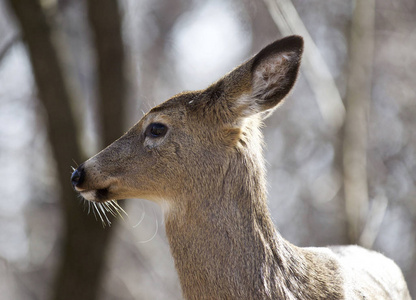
(208,170)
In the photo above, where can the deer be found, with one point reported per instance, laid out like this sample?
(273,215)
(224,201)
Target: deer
(199,155)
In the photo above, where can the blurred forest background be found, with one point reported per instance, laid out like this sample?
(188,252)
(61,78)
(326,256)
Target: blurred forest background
(74,75)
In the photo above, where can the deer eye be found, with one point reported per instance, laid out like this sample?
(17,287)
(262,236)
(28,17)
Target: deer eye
(155,130)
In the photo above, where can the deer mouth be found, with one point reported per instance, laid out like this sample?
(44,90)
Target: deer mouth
(88,192)
(101,205)
(94,195)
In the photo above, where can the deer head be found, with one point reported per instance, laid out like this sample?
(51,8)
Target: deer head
(180,147)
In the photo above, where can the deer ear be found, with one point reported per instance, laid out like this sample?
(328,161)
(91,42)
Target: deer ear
(274,71)
(269,76)
(260,83)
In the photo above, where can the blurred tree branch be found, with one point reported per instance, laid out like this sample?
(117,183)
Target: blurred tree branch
(84,241)
(155,56)
(105,21)
(314,66)
(61,132)
(361,46)
(8,43)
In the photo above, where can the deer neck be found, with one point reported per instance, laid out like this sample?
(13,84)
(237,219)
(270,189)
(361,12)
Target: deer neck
(224,242)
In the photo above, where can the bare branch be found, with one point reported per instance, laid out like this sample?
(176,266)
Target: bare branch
(8,43)
(314,67)
(356,121)
(374,219)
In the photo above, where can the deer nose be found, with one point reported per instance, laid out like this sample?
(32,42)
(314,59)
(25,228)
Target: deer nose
(78,176)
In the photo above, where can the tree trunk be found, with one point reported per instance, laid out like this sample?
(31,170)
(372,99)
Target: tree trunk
(84,240)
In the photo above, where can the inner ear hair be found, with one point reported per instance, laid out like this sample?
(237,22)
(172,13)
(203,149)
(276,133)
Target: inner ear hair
(274,71)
